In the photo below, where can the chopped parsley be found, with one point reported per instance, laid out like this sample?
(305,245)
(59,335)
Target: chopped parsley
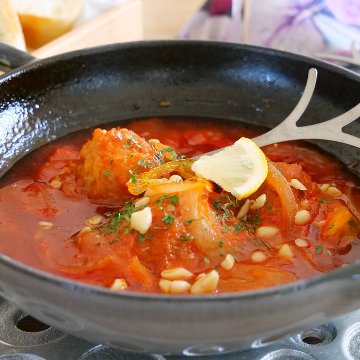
(319,249)
(173,199)
(206,260)
(107,173)
(323,201)
(127,229)
(183,238)
(142,162)
(188,222)
(224,204)
(268,206)
(238,228)
(227,228)
(220,244)
(141,238)
(168,149)
(112,241)
(132,177)
(168,219)
(132,140)
(253,221)
(117,218)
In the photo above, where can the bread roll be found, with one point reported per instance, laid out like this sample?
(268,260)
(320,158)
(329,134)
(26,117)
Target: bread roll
(10,28)
(44,20)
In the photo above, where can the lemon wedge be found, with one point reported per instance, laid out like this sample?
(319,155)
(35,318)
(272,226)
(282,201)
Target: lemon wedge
(239,169)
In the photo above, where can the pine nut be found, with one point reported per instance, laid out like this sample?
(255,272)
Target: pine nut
(206,284)
(94,220)
(258,256)
(85,230)
(179,287)
(266,231)
(165,285)
(305,203)
(46,225)
(301,243)
(324,187)
(119,284)
(142,202)
(333,191)
(178,273)
(259,202)
(285,251)
(141,220)
(175,178)
(55,183)
(244,209)
(302,217)
(228,263)
(295,183)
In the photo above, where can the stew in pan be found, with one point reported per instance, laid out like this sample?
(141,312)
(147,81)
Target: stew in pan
(122,208)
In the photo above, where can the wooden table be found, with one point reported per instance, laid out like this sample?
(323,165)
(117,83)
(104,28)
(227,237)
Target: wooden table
(132,21)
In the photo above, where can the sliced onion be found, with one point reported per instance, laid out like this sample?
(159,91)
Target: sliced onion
(350,202)
(194,205)
(277,181)
(173,187)
(182,167)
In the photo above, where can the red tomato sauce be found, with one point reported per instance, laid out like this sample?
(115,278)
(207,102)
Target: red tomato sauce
(59,220)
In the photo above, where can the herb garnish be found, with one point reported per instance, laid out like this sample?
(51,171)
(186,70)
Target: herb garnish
(132,140)
(188,222)
(112,241)
(141,238)
(168,219)
(319,249)
(142,162)
(127,230)
(132,176)
(268,206)
(323,201)
(168,149)
(107,173)
(173,199)
(206,260)
(117,218)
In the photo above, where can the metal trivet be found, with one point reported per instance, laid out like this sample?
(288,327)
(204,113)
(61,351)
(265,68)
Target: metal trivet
(23,338)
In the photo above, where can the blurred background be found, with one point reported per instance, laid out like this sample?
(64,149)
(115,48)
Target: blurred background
(326,29)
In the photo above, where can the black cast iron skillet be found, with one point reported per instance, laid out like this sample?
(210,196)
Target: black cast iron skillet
(49,98)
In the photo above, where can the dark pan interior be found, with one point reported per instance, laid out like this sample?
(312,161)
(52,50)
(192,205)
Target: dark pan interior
(57,96)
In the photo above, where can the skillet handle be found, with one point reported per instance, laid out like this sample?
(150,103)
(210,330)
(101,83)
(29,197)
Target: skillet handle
(12,58)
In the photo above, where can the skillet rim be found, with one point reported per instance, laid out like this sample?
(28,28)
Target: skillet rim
(82,287)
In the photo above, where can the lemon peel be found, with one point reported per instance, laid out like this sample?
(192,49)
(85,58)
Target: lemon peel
(239,169)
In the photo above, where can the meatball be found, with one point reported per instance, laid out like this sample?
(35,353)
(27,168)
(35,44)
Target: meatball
(109,160)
